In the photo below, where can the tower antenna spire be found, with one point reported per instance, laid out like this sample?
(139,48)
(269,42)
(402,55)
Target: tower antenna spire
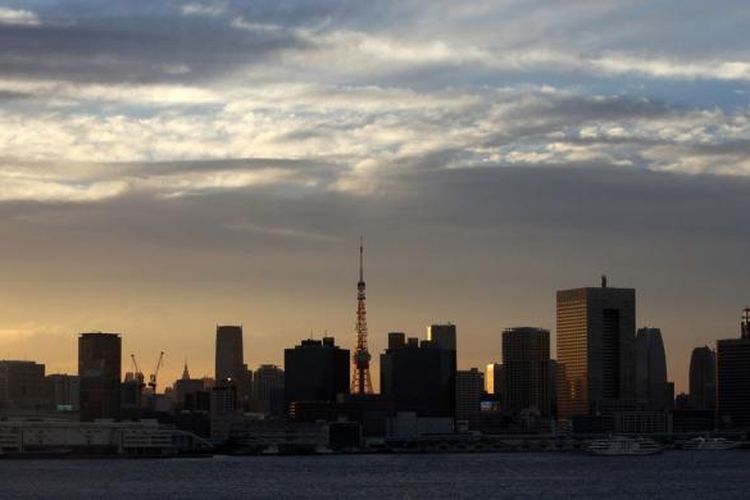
(361,383)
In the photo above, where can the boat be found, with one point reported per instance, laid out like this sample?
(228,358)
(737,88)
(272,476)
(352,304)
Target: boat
(619,445)
(709,444)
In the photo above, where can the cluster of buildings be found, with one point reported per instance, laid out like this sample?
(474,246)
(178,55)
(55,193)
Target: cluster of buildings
(608,376)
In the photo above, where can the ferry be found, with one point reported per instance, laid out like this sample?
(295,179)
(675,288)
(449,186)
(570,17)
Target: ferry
(618,446)
(710,444)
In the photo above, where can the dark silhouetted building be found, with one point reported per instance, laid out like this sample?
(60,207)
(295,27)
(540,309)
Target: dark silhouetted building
(419,377)
(443,336)
(651,385)
(315,370)
(186,385)
(230,365)
(745,323)
(703,379)
(733,367)
(63,391)
(22,385)
(469,388)
(595,348)
(268,390)
(526,363)
(99,372)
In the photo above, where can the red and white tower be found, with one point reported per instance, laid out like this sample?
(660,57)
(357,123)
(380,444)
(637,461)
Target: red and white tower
(361,383)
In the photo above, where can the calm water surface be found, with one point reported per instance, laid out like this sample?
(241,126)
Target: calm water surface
(520,475)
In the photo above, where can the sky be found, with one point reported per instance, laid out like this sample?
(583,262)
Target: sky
(168,165)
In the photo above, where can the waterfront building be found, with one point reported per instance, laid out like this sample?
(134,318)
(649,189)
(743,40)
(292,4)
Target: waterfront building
(99,372)
(526,364)
(651,384)
(316,370)
(469,386)
(703,379)
(22,385)
(595,347)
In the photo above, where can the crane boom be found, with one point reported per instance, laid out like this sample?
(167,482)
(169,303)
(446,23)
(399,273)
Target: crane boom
(152,377)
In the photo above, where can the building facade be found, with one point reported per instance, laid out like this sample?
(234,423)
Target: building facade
(733,367)
(316,370)
(595,347)
(651,385)
(99,373)
(526,363)
(22,385)
(469,387)
(268,390)
(702,379)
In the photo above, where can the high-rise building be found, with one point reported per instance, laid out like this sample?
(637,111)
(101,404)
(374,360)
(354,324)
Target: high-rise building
(268,390)
(733,370)
(595,347)
(526,364)
(469,386)
(63,391)
(315,370)
(745,323)
(419,378)
(703,379)
(229,354)
(651,370)
(443,336)
(22,385)
(99,372)
(494,379)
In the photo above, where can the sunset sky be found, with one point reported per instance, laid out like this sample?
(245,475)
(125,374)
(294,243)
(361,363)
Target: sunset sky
(169,165)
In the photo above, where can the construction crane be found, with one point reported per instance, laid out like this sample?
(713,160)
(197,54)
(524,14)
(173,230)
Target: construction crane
(152,377)
(137,374)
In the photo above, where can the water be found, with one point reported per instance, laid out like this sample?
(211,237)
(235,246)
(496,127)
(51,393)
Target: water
(673,474)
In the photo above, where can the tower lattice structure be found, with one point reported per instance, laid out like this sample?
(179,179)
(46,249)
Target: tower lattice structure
(361,383)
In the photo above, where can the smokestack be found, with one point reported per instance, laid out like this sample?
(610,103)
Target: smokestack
(604,281)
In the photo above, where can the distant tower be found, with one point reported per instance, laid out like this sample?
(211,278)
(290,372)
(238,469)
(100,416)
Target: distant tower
(746,323)
(361,383)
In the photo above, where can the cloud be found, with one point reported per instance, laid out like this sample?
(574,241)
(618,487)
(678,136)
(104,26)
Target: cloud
(11,17)
(203,9)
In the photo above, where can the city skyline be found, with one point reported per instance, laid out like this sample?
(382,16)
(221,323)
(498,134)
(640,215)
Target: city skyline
(345,342)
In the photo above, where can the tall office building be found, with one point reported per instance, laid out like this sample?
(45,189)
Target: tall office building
(595,348)
(651,370)
(22,385)
(703,379)
(526,363)
(494,379)
(268,390)
(443,336)
(316,370)
(418,377)
(99,373)
(733,370)
(230,365)
(745,323)
(469,387)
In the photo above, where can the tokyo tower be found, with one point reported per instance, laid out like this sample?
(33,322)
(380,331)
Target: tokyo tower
(361,383)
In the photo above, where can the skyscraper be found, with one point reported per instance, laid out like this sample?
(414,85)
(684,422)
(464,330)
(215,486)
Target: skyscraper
(595,347)
(526,363)
(494,379)
(703,379)
(733,370)
(443,336)
(230,365)
(418,378)
(651,369)
(745,324)
(99,372)
(315,370)
(469,386)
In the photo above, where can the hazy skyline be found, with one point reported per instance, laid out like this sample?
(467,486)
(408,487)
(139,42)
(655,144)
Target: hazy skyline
(169,165)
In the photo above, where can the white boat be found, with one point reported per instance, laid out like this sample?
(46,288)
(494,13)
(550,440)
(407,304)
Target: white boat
(709,444)
(618,445)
